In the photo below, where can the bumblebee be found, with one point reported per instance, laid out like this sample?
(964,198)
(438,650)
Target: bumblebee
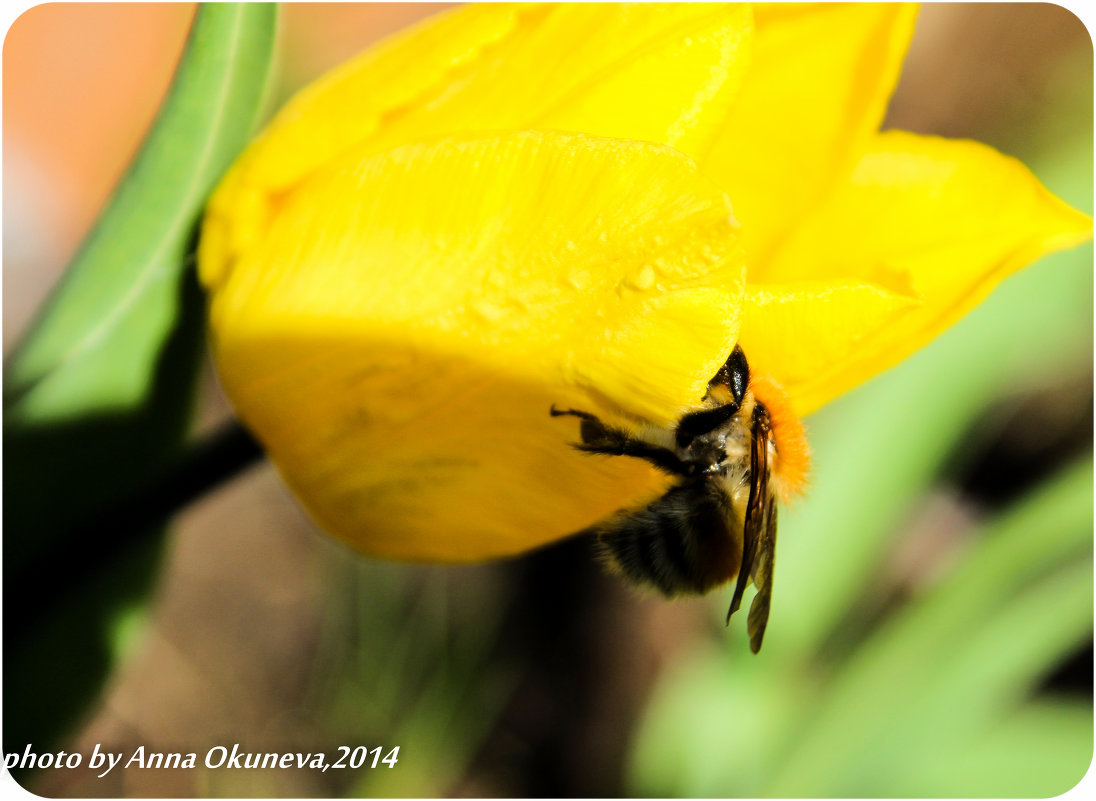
(731,459)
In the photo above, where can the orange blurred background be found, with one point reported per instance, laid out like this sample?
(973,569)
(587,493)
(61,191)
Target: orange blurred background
(82,82)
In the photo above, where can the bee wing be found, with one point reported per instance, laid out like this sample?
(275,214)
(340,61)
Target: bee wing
(763,578)
(754,522)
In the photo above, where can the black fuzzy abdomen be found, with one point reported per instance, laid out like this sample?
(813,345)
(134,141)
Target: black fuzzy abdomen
(684,543)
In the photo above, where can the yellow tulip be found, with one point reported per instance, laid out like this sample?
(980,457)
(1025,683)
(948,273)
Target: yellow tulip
(510,207)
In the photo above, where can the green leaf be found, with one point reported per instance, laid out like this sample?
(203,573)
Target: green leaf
(98,396)
(864,728)
(1039,751)
(990,673)
(95,346)
(718,726)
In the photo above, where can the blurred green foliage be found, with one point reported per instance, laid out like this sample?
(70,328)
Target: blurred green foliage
(420,674)
(98,395)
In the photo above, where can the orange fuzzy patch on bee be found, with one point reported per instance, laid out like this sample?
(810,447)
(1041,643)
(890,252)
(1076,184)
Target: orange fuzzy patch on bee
(793,456)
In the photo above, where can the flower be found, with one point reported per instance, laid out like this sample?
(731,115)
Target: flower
(510,207)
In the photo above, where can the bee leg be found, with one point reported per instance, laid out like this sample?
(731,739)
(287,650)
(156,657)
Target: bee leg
(600,438)
(592,429)
(574,413)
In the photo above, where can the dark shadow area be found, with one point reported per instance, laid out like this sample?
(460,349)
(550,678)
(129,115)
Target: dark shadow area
(572,634)
(76,548)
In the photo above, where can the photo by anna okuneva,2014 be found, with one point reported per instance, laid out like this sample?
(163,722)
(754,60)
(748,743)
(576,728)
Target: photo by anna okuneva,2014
(652,275)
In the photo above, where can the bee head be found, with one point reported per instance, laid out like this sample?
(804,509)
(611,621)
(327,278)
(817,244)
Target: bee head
(734,375)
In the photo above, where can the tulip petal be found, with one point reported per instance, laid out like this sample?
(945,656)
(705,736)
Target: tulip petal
(397,337)
(801,333)
(661,73)
(815,91)
(936,220)
(674,89)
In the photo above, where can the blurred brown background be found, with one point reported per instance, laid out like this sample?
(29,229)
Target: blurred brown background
(264,631)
